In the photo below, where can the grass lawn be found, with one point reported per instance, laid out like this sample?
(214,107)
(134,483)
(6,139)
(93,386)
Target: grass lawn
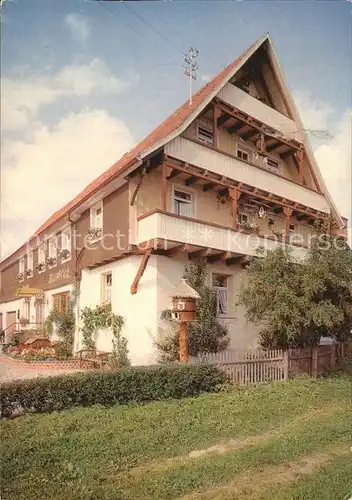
(280,441)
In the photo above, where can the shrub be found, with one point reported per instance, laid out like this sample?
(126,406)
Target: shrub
(138,384)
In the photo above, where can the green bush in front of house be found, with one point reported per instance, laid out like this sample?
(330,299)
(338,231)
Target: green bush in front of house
(136,384)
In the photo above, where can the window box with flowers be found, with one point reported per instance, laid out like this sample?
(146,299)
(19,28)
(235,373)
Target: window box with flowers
(28,273)
(250,226)
(40,266)
(20,276)
(65,254)
(51,261)
(94,233)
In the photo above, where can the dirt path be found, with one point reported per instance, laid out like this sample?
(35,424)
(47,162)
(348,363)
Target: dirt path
(250,485)
(11,370)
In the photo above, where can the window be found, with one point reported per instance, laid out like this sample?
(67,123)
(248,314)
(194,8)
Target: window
(243,218)
(61,302)
(242,154)
(272,165)
(41,259)
(21,266)
(106,287)
(65,252)
(27,309)
(205,133)
(182,203)
(220,285)
(30,261)
(96,221)
(52,251)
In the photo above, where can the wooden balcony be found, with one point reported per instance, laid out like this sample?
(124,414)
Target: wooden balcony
(253,107)
(170,230)
(228,166)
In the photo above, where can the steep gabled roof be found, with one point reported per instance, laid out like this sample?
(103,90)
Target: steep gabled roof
(174,125)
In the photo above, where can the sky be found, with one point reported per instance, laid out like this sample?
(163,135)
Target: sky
(83,81)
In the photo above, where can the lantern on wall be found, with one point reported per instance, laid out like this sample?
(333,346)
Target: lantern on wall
(184,310)
(262,213)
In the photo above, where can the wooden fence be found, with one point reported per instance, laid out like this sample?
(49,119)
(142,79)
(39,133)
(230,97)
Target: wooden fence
(256,366)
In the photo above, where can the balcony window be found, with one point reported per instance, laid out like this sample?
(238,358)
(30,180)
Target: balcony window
(106,287)
(220,286)
(182,203)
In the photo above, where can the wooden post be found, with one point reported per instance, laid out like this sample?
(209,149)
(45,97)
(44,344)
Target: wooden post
(215,126)
(288,213)
(164,187)
(299,156)
(183,342)
(315,361)
(285,364)
(332,356)
(235,196)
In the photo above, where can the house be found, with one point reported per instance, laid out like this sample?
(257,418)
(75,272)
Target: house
(223,175)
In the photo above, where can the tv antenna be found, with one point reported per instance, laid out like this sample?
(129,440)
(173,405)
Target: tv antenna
(191,65)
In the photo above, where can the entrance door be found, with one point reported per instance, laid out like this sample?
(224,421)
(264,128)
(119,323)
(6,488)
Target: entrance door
(39,312)
(11,318)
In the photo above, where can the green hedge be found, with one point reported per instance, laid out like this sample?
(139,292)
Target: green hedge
(138,384)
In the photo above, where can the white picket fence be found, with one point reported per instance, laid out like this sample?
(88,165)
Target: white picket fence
(253,366)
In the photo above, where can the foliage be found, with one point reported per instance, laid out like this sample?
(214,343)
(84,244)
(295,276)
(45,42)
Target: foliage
(206,333)
(139,384)
(103,317)
(297,302)
(145,451)
(64,323)
(41,354)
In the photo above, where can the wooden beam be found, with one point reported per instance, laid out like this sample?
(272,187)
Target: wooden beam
(217,256)
(190,181)
(274,146)
(223,119)
(288,214)
(173,174)
(209,186)
(236,127)
(164,187)
(235,196)
(137,187)
(140,272)
(184,248)
(216,114)
(203,252)
(250,134)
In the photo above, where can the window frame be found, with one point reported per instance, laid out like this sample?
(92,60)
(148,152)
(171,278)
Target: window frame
(26,309)
(201,124)
(272,168)
(59,297)
(247,151)
(66,231)
(240,218)
(52,244)
(105,287)
(217,288)
(41,253)
(191,203)
(92,220)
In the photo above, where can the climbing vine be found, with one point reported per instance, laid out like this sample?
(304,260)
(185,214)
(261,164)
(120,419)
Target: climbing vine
(103,317)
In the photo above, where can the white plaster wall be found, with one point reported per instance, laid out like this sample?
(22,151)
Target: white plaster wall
(139,311)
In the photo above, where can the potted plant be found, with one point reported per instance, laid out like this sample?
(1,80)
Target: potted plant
(94,232)
(64,254)
(28,273)
(252,226)
(40,266)
(51,261)
(20,276)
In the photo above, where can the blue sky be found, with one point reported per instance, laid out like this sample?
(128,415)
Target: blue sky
(138,77)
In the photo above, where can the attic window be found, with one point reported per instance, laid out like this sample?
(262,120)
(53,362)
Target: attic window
(205,133)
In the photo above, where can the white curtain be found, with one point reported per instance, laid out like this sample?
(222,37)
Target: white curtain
(222,300)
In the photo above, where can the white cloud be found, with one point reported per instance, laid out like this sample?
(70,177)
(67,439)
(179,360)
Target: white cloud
(78,26)
(42,174)
(22,97)
(334,156)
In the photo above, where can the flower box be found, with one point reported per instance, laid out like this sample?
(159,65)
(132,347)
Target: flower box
(65,254)
(28,273)
(51,261)
(94,233)
(20,276)
(40,266)
(251,226)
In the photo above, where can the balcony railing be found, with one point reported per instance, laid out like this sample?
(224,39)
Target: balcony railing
(227,165)
(253,107)
(168,227)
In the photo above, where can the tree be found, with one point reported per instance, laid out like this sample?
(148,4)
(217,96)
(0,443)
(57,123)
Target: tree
(206,333)
(297,302)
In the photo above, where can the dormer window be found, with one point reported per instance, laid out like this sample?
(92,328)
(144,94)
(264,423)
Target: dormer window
(205,132)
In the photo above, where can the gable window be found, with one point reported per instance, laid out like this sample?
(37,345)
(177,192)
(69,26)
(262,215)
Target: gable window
(106,292)
(65,252)
(96,221)
(182,203)
(205,133)
(242,154)
(52,251)
(61,302)
(220,286)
